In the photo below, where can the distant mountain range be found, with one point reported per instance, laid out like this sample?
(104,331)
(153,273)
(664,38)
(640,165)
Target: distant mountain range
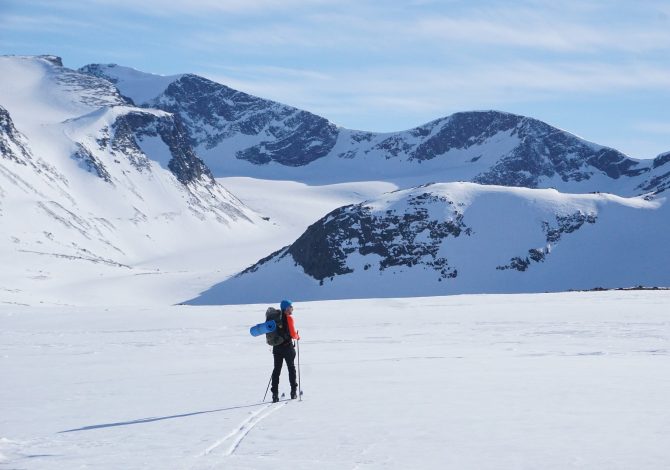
(238,134)
(114,166)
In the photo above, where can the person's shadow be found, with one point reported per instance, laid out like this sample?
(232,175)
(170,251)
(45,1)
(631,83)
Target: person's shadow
(159,418)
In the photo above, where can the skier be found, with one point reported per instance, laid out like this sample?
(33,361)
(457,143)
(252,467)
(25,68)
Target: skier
(285,352)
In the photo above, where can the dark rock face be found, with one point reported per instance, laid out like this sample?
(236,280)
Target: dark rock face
(660,181)
(307,138)
(615,164)
(398,239)
(53,59)
(657,184)
(542,151)
(125,131)
(90,163)
(564,224)
(539,151)
(185,164)
(461,131)
(12,144)
(662,159)
(212,112)
(127,128)
(545,151)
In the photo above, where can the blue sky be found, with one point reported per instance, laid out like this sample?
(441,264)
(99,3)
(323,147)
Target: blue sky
(597,68)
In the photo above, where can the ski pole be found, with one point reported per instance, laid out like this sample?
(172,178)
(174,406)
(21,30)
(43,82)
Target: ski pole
(299,388)
(268,388)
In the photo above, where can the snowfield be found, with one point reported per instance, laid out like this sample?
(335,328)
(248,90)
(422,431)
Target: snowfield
(551,381)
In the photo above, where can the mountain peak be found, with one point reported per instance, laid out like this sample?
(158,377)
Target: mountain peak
(53,59)
(140,87)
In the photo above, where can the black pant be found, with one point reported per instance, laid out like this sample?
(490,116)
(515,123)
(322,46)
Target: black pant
(281,353)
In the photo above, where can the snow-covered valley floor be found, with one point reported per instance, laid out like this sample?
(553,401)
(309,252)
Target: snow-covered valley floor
(546,381)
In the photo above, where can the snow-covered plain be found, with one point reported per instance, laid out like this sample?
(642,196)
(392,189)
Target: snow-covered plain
(551,381)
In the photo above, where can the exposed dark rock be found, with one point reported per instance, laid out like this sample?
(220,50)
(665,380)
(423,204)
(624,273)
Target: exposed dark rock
(661,160)
(536,255)
(564,224)
(123,138)
(545,151)
(522,263)
(309,138)
(404,239)
(213,112)
(53,59)
(12,144)
(615,164)
(90,163)
(659,179)
(461,131)
(184,164)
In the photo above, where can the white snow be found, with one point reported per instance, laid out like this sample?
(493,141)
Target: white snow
(101,370)
(551,381)
(136,85)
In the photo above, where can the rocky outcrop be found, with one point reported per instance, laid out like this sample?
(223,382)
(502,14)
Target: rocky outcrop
(213,113)
(659,181)
(13,145)
(395,238)
(563,224)
(123,139)
(90,162)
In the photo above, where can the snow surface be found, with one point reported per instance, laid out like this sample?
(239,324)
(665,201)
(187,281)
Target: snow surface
(551,381)
(170,271)
(136,85)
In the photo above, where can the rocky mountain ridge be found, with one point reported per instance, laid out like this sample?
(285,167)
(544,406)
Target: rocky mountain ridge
(241,135)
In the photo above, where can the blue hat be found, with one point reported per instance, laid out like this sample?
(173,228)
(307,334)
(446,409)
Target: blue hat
(285,304)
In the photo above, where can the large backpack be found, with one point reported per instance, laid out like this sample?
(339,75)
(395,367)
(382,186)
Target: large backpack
(276,337)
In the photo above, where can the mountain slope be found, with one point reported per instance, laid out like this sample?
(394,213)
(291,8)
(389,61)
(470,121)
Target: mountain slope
(106,183)
(221,119)
(464,238)
(241,135)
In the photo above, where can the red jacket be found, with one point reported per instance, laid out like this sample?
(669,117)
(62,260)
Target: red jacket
(291,327)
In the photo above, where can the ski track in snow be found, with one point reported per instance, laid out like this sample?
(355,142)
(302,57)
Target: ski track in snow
(238,435)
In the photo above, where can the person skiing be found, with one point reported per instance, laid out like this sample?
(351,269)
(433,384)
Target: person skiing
(285,351)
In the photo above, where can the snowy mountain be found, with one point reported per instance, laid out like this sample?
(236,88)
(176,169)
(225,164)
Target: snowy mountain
(103,182)
(658,179)
(458,238)
(116,169)
(241,135)
(223,120)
